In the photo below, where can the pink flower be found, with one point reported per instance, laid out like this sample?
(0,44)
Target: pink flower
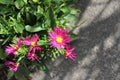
(12,65)
(32,56)
(58,37)
(13,50)
(69,53)
(32,41)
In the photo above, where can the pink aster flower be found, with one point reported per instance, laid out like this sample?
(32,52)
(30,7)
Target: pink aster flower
(13,50)
(69,53)
(32,41)
(32,56)
(12,65)
(59,38)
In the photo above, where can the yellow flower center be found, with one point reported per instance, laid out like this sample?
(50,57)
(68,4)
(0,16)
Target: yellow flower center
(33,55)
(16,64)
(59,39)
(66,53)
(33,43)
(16,47)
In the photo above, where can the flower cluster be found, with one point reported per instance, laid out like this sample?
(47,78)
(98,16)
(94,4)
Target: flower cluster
(58,38)
(12,50)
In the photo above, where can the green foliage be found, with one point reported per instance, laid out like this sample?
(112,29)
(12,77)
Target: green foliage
(35,28)
(74,37)
(2,54)
(22,72)
(6,1)
(10,74)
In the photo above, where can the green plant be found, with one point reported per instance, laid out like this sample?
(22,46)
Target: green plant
(27,18)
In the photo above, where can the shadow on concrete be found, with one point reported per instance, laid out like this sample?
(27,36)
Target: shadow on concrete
(98,51)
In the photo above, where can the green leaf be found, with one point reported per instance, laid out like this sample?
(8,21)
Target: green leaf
(65,10)
(6,10)
(19,16)
(25,70)
(51,18)
(7,39)
(2,54)
(6,1)
(10,74)
(18,27)
(71,17)
(3,22)
(57,1)
(19,3)
(74,11)
(44,68)
(25,1)
(74,37)
(22,72)
(23,50)
(19,76)
(35,1)
(47,2)
(40,12)
(3,30)
(42,42)
(35,28)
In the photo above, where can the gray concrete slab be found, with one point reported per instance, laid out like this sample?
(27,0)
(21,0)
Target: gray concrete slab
(98,47)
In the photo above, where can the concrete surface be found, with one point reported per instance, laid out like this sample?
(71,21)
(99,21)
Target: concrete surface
(98,47)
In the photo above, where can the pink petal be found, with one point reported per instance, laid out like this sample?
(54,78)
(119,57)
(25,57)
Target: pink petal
(32,56)
(69,53)
(12,65)
(72,56)
(18,42)
(10,50)
(27,41)
(35,38)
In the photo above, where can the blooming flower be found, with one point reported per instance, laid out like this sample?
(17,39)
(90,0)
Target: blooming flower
(69,53)
(32,41)
(58,37)
(32,56)
(12,65)
(13,50)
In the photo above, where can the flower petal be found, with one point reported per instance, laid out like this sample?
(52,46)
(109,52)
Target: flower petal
(12,65)
(27,41)
(35,38)
(10,50)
